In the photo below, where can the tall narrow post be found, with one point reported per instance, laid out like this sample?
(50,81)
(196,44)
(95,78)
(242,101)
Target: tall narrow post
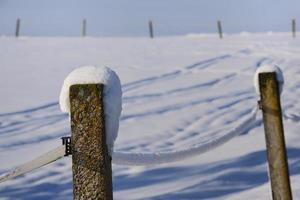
(294,28)
(220,29)
(92,174)
(83,31)
(151,29)
(18,24)
(276,151)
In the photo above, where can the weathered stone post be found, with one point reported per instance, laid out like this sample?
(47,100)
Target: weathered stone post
(92,174)
(151,29)
(294,28)
(83,31)
(219,24)
(276,151)
(18,24)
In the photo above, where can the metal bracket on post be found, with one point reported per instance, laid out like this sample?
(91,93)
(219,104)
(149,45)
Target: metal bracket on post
(67,142)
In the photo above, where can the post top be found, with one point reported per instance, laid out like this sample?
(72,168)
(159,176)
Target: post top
(112,95)
(268,69)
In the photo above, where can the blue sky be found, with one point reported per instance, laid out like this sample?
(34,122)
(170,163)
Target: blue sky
(130,17)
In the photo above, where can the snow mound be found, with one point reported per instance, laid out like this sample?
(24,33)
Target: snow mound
(112,96)
(265,69)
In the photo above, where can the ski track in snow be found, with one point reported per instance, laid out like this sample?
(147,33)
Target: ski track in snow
(219,112)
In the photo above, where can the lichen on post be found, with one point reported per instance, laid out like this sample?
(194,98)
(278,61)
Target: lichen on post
(92,174)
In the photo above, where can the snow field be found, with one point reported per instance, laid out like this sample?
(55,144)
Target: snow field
(178,92)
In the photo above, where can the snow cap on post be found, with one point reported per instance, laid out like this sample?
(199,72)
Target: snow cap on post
(266,69)
(112,96)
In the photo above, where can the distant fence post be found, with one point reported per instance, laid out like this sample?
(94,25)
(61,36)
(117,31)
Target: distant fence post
(151,29)
(276,151)
(18,24)
(219,24)
(83,31)
(92,174)
(294,28)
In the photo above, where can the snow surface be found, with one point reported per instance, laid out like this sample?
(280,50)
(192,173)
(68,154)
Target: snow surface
(265,69)
(178,92)
(112,96)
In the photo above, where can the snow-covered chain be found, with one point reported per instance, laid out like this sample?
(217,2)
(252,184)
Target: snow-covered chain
(126,158)
(38,162)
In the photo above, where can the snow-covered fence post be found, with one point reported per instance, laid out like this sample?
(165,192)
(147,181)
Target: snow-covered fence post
(83,31)
(92,174)
(151,29)
(18,23)
(219,24)
(276,151)
(294,28)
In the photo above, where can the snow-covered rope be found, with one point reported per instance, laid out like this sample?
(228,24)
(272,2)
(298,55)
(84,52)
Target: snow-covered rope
(40,161)
(127,158)
(291,117)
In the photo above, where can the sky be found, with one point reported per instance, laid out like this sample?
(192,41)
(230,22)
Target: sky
(130,17)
